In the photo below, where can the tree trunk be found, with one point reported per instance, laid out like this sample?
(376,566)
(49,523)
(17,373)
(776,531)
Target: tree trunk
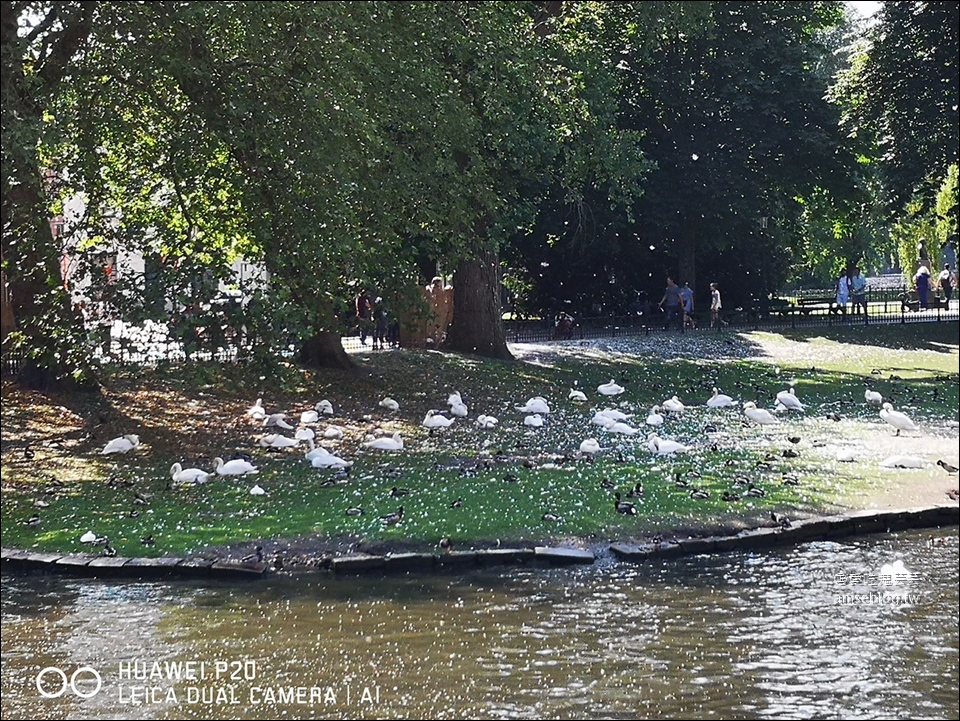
(325,350)
(477,325)
(687,248)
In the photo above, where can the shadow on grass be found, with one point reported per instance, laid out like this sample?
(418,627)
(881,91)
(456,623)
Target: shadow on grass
(939,337)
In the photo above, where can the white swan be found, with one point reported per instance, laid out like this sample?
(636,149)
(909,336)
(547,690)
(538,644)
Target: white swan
(275,440)
(277,419)
(846,455)
(758,415)
(437,420)
(576,395)
(789,400)
(316,452)
(309,417)
(333,432)
(535,420)
(898,420)
(673,405)
(719,400)
(874,398)
(325,407)
(895,571)
(902,462)
(664,447)
(88,537)
(654,418)
(615,414)
(123,444)
(622,428)
(602,420)
(610,389)
(454,399)
(257,411)
(459,410)
(305,434)
(257,490)
(486,422)
(328,460)
(236,467)
(394,443)
(537,404)
(188,475)
(389,404)
(590,446)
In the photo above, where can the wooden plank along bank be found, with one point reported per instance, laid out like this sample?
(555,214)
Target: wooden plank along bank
(801,531)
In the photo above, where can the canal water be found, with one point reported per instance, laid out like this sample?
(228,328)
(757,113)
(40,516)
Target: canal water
(822,630)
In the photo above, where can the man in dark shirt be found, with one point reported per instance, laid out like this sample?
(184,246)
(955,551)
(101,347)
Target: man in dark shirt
(671,305)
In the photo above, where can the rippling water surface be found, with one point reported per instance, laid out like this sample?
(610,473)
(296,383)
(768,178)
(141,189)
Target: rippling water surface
(808,632)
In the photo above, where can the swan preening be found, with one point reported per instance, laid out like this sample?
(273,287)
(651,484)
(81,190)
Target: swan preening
(673,405)
(535,420)
(610,389)
(590,446)
(758,415)
(537,404)
(654,418)
(434,419)
(898,420)
(275,440)
(123,444)
(277,419)
(622,428)
(486,422)
(256,411)
(718,400)
(576,395)
(389,404)
(188,475)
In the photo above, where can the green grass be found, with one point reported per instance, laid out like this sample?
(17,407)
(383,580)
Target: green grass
(439,469)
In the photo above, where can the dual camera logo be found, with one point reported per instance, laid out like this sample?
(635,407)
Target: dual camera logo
(85,682)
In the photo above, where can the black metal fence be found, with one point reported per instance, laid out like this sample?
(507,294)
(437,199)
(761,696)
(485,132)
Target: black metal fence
(151,343)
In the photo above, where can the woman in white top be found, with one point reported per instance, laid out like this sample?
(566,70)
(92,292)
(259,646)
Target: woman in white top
(715,305)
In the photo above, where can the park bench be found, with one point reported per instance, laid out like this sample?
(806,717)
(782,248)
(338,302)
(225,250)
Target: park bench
(910,301)
(808,303)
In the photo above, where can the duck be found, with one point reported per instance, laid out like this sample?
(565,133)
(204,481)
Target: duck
(179,474)
(902,462)
(610,389)
(622,428)
(389,404)
(391,443)
(123,444)
(898,420)
(590,446)
(673,405)
(257,411)
(551,517)
(699,494)
(535,421)
(433,419)
(790,480)
(277,441)
(392,519)
(576,395)
(446,545)
(537,405)
(486,422)
(947,467)
(457,503)
(636,491)
(719,400)
(257,490)
(399,492)
(664,447)
(874,398)
(654,418)
(788,399)
(760,416)
(626,507)
(755,492)
(235,467)
(729,497)
(355,511)
(781,521)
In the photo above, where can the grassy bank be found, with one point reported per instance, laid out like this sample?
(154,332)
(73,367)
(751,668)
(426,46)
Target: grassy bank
(480,485)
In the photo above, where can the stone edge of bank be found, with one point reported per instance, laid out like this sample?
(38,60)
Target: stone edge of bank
(823,528)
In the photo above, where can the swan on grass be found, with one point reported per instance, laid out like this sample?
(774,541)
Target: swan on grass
(324,407)
(602,420)
(235,467)
(391,443)
(315,451)
(576,395)
(590,446)
(758,415)
(615,414)
(719,400)
(664,447)
(257,411)
(328,460)
(305,434)
(537,404)
(788,399)
(278,420)
(179,474)
(486,422)
(433,419)
(123,444)
(535,420)
(874,398)
(622,428)
(454,399)
(898,420)
(673,405)
(389,404)
(654,418)
(257,490)
(277,441)
(610,389)
(333,433)
(459,410)
(902,462)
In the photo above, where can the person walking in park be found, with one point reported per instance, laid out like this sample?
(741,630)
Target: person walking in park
(947,281)
(671,304)
(686,295)
(364,310)
(715,306)
(858,289)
